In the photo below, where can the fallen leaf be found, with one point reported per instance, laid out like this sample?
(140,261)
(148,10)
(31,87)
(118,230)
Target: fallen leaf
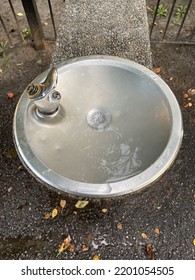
(81,203)
(191,91)
(85,248)
(89,237)
(119,226)
(65,244)
(185,95)
(171,79)
(54,213)
(194,242)
(185,105)
(143,235)
(1,71)
(62,203)
(104,210)
(10,95)
(190,104)
(11,153)
(71,247)
(10,189)
(96,257)
(157,231)
(150,251)
(157,70)
(19,14)
(46,216)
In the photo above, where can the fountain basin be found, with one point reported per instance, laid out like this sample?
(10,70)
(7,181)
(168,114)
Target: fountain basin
(117,129)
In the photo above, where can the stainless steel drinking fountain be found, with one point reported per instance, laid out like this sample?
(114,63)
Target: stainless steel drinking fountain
(97,126)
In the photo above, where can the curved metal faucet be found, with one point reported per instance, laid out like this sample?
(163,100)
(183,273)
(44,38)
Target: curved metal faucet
(44,95)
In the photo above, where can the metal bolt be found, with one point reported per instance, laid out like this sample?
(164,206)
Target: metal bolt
(56,95)
(32,89)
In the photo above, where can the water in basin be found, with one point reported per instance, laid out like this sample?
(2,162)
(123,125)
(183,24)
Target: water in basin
(135,135)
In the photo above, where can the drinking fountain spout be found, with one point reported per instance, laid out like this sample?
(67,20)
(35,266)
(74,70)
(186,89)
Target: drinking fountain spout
(44,95)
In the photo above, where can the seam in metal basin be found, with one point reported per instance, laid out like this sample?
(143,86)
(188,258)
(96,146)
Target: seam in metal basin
(118,128)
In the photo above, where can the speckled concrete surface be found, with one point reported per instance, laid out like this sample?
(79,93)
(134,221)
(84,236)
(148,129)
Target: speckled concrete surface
(105,27)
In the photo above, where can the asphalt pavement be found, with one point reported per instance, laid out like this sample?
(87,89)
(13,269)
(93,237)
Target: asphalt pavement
(155,223)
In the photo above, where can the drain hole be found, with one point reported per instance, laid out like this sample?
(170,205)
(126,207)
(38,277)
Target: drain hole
(98,118)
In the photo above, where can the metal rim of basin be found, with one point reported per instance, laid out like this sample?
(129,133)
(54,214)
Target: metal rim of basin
(132,184)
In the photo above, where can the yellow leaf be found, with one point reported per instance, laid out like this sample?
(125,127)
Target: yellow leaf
(104,210)
(62,203)
(194,242)
(143,235)
(54,213)
(81,203)
(96,257)
(20,14)
(65,244)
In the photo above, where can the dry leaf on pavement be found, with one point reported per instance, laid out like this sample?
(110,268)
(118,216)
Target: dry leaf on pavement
(150,251)
(46,216)
(71,247)
(157,70)
(157,230)
(119,226)
(65,244)
(81,203)
(185,95)
(85,248)
(143,235)
(62,203)
(54,213)
(10,95)
(96,257)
